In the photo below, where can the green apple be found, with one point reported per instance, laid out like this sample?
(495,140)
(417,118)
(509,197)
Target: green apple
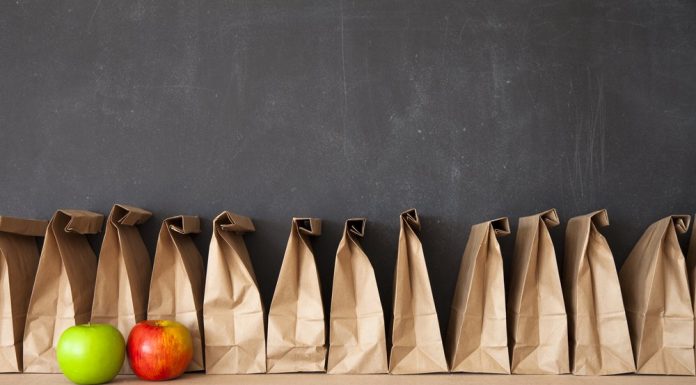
(91,354)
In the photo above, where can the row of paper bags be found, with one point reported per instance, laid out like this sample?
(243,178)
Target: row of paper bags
(649,330)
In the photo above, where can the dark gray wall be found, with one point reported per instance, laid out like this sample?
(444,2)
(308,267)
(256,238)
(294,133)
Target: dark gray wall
(466,110)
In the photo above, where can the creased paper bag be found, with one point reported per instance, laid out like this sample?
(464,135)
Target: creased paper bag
(123,273)
(416,340)
(658,304)
(477,332)
(63,289)
(19,259)
(357,340)
(296,336)
(599,339)
(537,323)
(691,269)
(176,287)
(232,307)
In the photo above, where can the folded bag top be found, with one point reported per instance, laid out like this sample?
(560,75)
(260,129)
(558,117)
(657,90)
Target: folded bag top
(23,226)
(79,221)
(234,223)
(128,215)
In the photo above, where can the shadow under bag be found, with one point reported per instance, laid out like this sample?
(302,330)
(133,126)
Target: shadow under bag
(123,273)
(296,335)
(176,287)
(416,340)
(232,307)
(19,259)
(599,340)
(537,323)
(658,303)
(477,332)
(357,340)
(63,289)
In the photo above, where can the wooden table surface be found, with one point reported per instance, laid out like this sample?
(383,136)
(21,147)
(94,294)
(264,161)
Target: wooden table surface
(325,379)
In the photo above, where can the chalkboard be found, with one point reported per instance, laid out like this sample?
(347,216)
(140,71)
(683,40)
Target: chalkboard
(465,110)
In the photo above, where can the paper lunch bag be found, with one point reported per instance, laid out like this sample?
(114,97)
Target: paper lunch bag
(232,307)
(123,273)
(599,340)
(658,303)
(537,323)
(63,288)
(19,259)
(416,341)
(296,336)
(176,286)
(357,339)
(477,332)
(691,266)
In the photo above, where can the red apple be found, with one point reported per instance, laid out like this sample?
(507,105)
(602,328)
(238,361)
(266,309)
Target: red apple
(159,350)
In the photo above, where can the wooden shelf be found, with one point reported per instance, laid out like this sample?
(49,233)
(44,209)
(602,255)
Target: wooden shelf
(325,379)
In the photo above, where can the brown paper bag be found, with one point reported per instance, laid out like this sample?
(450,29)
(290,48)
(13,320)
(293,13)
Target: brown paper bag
(19,258)
(296,336)
(599,339)
(232,308)
(63,289)
(357,340)
(176,287)
(658,304)
(477,332)
(537,323)
(416,340)
(123,273)
(691,269)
